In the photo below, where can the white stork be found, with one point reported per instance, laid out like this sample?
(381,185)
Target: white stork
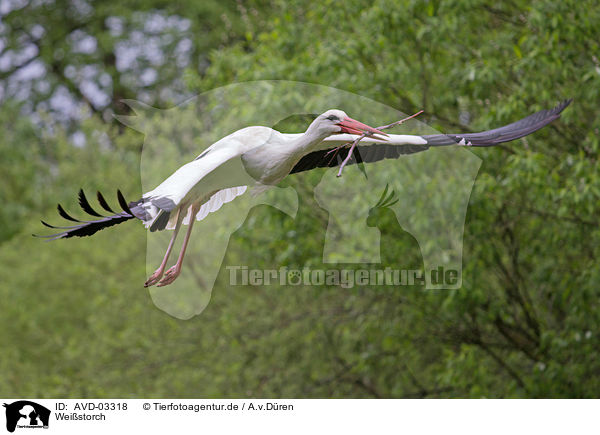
(262,157)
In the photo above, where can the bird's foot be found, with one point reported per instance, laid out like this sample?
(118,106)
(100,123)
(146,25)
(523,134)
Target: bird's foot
(170,276)
(155,277)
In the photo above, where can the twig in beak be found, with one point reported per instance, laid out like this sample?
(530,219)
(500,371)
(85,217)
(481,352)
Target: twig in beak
(383,127)
(365,134)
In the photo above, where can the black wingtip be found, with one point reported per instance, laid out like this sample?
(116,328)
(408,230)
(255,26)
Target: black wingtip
(562,105)
(60,228)
(85,205)
(123,203)
(65,215)
(50,237)
(103,202)
(47,225)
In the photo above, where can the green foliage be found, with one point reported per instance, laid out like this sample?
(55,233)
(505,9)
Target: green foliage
(22,170)
(100,53)
(531,230)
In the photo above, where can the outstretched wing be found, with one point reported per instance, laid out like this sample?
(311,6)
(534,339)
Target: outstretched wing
(373,150)
(87,228)
(214,203)
(330,158)
(200,179)
(500,135)
(169,194)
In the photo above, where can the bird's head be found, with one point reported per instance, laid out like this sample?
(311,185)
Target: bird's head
(336,121)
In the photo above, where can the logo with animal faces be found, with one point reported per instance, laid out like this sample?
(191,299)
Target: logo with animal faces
(25,414)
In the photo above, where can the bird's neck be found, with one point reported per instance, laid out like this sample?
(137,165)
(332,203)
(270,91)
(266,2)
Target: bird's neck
(308,141)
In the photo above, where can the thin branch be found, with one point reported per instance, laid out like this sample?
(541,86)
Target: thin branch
(402,121)
(358,380)
(504,365)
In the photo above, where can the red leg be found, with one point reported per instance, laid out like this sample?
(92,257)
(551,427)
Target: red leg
(175,270)
(157,275)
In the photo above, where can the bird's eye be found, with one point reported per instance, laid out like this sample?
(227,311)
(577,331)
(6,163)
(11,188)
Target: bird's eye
(333,118)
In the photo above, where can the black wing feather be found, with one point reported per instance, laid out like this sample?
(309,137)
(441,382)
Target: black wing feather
(123,203)
(161,221)
(65,215)
(362,154)
(87,228)
(503,134)
(103,202)
(85,205)
(46,224)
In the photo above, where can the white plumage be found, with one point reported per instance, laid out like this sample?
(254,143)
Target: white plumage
(212,205)
(260,157)
(257,157)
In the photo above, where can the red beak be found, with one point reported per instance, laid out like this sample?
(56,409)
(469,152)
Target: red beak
(353,126)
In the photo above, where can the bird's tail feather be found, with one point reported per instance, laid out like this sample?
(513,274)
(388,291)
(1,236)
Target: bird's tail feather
(87,228)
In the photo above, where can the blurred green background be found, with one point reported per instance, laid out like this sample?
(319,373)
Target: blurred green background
(76,321)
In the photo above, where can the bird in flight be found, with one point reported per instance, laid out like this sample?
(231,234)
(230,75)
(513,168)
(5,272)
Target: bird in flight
(260,157)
